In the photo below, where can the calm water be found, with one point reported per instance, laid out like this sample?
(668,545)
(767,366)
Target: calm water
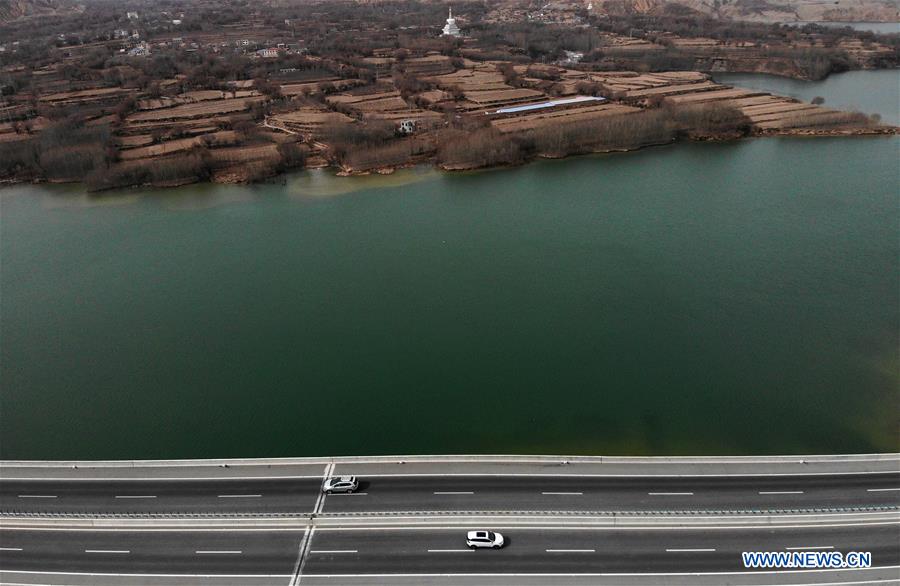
(870,92)
(701,298)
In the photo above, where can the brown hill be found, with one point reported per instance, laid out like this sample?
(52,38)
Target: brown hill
(762,10)
(13,9)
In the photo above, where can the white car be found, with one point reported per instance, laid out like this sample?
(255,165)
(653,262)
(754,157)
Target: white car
(484,539)
(340,484)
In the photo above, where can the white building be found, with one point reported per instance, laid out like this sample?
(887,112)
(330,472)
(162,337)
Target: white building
(450,29)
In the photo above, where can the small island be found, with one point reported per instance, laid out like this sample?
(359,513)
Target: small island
(141,93)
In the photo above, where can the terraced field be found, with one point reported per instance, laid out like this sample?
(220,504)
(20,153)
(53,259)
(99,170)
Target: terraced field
(195,110)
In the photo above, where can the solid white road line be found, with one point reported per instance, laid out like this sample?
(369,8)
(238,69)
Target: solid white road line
(214,551)
(570,551)
(880,489)
(454,492)
(239,496)
(333,551)
(348,494)
(564,493)
(107,551)
(689,550)
(37,496)
(320,499)
(449,550)
(295,575)
(816,572)
(781,492)
(135,496)
(119,575)
(814,547)
(10,549)
(670,493)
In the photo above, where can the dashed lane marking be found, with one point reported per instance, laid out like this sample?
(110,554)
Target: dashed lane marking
(813,547)
(670,493)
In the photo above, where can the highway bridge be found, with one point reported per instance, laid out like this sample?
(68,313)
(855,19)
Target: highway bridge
(569,520)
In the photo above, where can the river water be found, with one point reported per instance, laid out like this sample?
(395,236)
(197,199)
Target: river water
(700,298)
(869,92)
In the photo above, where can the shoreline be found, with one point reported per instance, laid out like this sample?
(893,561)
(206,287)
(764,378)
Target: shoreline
(342,171)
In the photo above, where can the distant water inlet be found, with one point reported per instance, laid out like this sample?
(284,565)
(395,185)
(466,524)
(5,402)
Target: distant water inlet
(869,92)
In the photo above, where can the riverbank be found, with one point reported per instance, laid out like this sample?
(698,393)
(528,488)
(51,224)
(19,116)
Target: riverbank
(235,177)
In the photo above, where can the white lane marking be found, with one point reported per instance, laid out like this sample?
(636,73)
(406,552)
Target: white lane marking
(472,575)
(450,550)
(10,549)
(570,551)
(240,496)
(157,529)
(219,576)
(781,492)
(107,551)
(507,523)
(217,551)
(304,557)
(689,550)
(135,496)
(564,493)
(164,478)
(454,492)
(295,576)
(814,547)
(320,500)
(37,496)
(670,493)
(880,489)
(333,551)
(348,494)
(451,474)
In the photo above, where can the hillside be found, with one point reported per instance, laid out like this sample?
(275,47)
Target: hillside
(763,10)
(13,9)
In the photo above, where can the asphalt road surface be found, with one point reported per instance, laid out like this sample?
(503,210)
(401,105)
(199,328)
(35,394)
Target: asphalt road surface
(341,552)
(452,493)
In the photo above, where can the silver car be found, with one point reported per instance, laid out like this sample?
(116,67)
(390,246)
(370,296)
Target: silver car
(340,484)
(489,539)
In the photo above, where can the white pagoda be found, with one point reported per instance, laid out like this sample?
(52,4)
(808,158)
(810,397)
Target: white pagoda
(450,29)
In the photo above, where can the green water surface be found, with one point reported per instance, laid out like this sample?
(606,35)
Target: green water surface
(694,299)
(702,298)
